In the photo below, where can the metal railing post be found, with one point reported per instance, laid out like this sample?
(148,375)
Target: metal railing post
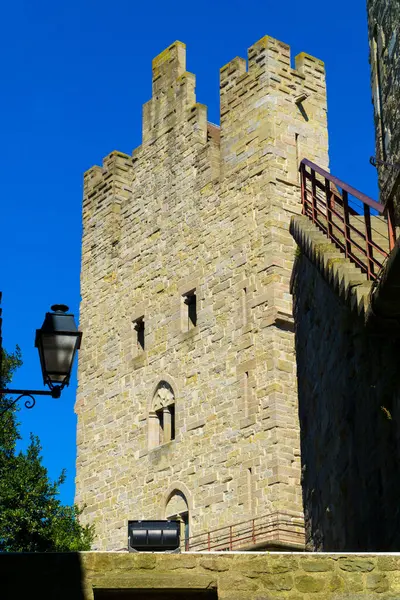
(314,196)
(328,196)
(368,242)
(346,216)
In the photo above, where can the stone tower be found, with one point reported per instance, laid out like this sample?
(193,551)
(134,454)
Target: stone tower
(384,43)
(187,401)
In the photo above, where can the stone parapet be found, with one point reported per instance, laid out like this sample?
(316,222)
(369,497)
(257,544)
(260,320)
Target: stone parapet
(250,576)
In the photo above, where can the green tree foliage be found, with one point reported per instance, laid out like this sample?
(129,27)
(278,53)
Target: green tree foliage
(32,518)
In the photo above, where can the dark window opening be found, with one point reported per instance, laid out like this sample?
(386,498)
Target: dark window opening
(160,416)
(139,327)
(244,306)
(246,392)
(191,303)
(172,412)
(166,423)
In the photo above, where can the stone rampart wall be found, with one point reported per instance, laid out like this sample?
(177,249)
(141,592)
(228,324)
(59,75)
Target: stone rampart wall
(114,576)
(349,407)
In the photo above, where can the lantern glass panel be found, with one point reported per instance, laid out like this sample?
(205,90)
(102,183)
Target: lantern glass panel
(58,355)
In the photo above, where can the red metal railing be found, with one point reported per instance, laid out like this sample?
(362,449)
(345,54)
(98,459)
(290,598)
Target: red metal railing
(272,528)
(365,232)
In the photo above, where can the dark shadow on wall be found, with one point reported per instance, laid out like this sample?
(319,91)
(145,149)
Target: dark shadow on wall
(349,409)
(41,576)
(161,594)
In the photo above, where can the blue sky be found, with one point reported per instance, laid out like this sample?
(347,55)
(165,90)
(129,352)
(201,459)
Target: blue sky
(74,77)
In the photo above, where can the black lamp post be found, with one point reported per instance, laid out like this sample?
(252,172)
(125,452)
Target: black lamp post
(57,342)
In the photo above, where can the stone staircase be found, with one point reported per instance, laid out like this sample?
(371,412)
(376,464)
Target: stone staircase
(379,225)
(343,276)
(351,239)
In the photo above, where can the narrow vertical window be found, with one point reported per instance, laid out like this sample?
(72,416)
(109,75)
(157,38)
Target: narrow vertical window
(190,302)
(246,393)
(250,488)
(244,306)
(166,424)
(160,417)
(139,328)
(172,412)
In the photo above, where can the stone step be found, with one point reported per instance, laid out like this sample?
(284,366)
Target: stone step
(343,276)
(379,229)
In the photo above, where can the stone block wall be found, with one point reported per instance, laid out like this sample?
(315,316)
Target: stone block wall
(349,407)
(251,576)
(204,209)
(384,39)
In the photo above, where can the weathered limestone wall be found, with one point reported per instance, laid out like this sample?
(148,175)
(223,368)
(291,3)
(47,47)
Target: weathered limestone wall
(349,391)
(115,576)
(197,206)
(384,38)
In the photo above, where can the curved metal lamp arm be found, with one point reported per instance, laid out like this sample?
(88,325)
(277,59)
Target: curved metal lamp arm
(30,403)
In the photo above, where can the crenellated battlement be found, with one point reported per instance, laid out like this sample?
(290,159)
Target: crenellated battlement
(244,91)
(268,103)
(100,181)
(270,59)
(173,93)
(168,66)
(271,117)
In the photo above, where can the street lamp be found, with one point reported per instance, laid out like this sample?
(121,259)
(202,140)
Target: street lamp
(57,342)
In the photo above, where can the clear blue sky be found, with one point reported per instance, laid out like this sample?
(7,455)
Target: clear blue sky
(74,77)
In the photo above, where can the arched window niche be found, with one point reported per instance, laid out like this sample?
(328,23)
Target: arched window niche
(161,422)
(177,509)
